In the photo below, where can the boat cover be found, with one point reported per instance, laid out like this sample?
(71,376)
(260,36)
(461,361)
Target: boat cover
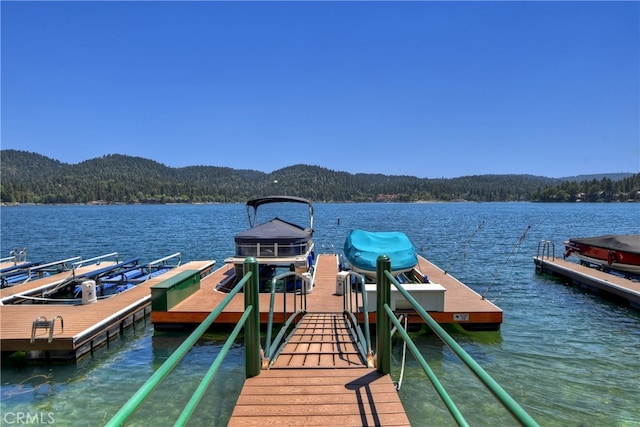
(618,242)
(274,231)
(362,249)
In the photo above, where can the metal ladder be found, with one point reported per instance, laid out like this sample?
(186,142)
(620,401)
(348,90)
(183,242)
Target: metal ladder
(49,325)
(546,249)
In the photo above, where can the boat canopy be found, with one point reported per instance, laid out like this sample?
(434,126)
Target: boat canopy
(362,249)
(618,242)
(253,205)
(274,231)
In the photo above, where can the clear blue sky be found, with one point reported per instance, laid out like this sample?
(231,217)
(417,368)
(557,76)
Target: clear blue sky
(429,89)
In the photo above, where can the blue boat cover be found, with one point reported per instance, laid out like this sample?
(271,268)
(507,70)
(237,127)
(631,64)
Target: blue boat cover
(362,249)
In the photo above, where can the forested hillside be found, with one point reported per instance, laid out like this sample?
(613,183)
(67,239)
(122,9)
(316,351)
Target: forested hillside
(32,178)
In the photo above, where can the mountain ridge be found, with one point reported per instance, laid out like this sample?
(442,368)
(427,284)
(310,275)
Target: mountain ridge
(27,177)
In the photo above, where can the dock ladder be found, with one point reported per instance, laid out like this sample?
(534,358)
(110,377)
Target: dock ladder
(546,249)
(48,325)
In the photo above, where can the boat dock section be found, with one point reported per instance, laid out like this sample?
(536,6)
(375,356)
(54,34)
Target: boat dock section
(34,286)
(590,278)
(65,331)
(461,304)
(319,378)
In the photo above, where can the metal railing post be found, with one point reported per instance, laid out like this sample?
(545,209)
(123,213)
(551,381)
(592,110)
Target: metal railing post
(252,328)
(383,323)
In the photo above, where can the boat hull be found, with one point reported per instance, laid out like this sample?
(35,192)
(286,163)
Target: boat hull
(617,252)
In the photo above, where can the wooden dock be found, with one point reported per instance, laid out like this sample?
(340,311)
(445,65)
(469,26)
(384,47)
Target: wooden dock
(462,305)
(319,397)
(597,281)
(319,379)
(78,329)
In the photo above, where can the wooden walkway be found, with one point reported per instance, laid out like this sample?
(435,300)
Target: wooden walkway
(321,340)
(593,279)
(80,328)
(319,379)
(319,397)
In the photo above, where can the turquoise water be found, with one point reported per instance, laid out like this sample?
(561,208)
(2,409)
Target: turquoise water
(568,357)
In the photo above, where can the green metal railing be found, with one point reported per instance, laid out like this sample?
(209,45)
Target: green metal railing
(383,347)
(271,348)
(350,308)
(250,320)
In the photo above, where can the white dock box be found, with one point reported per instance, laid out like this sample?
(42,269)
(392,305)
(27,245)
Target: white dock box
(341,282)
(89,292)
(308,282)
(429,295)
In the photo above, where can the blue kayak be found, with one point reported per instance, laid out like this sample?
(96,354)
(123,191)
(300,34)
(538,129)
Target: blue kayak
(362,249)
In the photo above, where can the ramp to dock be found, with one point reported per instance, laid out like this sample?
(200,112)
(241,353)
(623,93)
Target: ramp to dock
(321,340)
(320,378)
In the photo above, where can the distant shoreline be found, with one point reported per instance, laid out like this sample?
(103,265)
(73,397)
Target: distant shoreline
(9,205)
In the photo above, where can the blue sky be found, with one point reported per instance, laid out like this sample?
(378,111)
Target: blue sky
(428,89)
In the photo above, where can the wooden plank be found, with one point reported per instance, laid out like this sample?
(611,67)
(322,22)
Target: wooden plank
(319,397)
(379,419)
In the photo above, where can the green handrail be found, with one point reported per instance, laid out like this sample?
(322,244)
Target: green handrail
(252,331)
(383,337)
(383,323)
(274,348)
(448,401)
(213,369)
(252,281)
(269,346)
(364,342)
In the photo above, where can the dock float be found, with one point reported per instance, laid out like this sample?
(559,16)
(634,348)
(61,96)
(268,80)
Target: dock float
(462,305)
(597,281)
(68,332)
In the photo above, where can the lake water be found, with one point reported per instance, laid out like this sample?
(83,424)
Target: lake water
(568,357)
